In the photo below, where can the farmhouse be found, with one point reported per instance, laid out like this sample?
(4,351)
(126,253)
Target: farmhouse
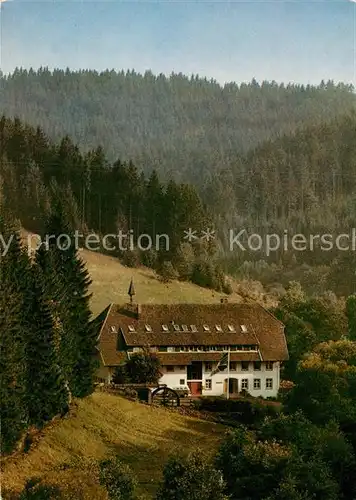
(190,339)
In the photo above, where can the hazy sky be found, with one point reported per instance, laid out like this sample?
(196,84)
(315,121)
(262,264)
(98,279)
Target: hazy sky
(229,41)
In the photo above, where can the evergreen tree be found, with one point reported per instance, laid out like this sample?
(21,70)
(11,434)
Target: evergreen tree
(68,282)
(47,394)
(351,316)
(13,412)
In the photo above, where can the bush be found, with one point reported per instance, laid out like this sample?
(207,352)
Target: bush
(130,393)
(118,479)
(191,478)
(167,272)
(34,490)
(242,410)
(120,375)
(131,258)
(227,288)
(143,368)
(204,274)
(149,258)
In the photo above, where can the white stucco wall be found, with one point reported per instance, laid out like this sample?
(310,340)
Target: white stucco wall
(178,378)
(173,379)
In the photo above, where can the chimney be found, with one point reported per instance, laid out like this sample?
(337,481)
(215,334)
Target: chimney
(138,311)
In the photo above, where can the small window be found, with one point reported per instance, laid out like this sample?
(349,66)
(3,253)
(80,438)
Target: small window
(245,366)
(148,328)
(206,328)
(176,327)
(170,349)
(244,328)
(218,327)
(231,328)
(165,328)
(208,383)
(131,328)
(177,349)
(208,367)
(269,383)
(233,366)
(257,383)
(182,368)
(137,349)
(182,381)
(113,329)
(269,365)
(257,365)
(244,384)
(162,348)
(193,328)
(170,368)
(185,328)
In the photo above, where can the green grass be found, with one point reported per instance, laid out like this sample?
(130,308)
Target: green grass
(111,282)
(143,436)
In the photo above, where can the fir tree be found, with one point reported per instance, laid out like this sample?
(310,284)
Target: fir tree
(13,415)
(67,282)
(47,395)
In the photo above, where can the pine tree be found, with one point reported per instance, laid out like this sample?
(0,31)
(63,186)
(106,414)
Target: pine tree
(13,414)
(66,284)
(47,395)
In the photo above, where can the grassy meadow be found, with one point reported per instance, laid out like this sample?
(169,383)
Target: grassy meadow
(102,425)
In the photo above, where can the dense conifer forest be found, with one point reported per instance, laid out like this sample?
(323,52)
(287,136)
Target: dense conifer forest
(127,149)
(185,127)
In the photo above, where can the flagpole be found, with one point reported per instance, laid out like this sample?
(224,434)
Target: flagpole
(228,375)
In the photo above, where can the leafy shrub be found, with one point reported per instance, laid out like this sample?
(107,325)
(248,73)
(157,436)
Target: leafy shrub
(129,392)
(120,375)
(191,478)
(167,272)
(143,368)
(118,479)
(34,490)
(243,410)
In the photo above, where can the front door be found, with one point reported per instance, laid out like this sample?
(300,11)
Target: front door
(233,385)
(195,388)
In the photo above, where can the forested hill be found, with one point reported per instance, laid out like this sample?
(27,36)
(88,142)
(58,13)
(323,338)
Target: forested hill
(185,127)
(305,181)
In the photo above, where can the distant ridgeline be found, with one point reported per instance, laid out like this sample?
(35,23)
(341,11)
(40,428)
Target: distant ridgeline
(184,127)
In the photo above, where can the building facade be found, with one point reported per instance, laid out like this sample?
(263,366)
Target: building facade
(190,339)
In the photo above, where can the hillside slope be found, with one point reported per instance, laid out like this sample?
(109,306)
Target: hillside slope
(111,280)
(102,425)
(110,283)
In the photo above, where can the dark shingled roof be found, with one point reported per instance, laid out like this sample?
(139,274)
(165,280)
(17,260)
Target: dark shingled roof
(263,329)
(186,358)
